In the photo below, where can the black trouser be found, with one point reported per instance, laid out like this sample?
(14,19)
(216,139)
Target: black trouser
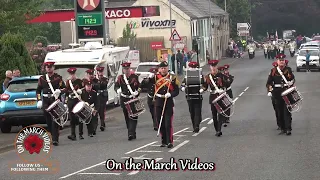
(218,119)
(53,127)
(195,107)
(265,55)
(91,125)
(269,54)
(74,120)
(102,109)
(131,122)
(307,66)
(275,110)
(152,112)
(166,124)
(285,117)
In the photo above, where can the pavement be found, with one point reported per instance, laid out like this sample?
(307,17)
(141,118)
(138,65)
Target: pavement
(249,149)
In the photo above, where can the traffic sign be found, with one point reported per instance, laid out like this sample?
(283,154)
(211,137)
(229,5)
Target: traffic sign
(175,36)
(243,26)
(243,33)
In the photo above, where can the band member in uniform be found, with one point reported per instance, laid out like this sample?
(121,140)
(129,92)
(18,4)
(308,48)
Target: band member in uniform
(128,87)
(220,81)
(72,100)
(230,79)
(49,97)
(95,86)
(275,86)
(166,88)
(273,100)
(89,95)
(150,86)
(193,96)
(102,96)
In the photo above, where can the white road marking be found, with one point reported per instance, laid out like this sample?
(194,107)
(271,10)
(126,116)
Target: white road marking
(175,140)
(241,94)
(141,147)
(210,122)
(246,89)
(136,172)
(156,145)
(149,151)
(202,129)
(180,131)
(235,99)
(206,119)
(188,131)
(101,174)
(82,170)
(179,145)
(179,136)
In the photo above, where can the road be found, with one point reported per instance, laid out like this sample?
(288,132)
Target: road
(250,147)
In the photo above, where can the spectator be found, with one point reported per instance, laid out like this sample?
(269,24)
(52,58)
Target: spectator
(7,80)
(16,73)
(308,61)
(180,62)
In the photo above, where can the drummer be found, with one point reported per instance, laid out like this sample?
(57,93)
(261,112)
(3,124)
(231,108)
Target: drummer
(275,86)
(73,86)
(128,91)
(220,81)
(229,90)
(90,96)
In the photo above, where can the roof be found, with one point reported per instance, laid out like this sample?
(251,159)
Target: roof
(197,9)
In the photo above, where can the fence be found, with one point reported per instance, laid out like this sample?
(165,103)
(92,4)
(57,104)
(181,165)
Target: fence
(143,45)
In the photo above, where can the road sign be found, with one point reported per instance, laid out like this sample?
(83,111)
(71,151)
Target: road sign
(243,33)
(243,26)
(175,36)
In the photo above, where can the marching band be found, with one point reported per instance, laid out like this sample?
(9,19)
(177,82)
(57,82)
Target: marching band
(85,100)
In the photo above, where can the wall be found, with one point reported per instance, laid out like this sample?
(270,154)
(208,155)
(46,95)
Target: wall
(182,23)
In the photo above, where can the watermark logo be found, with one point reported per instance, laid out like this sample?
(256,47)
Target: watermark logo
(134,25)
(33,146)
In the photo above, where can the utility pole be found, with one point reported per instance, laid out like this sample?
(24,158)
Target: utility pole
(250,4)
(172,49)
(225,5)
(210,34)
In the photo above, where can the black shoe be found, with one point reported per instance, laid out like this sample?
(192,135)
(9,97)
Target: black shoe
(282,132)
(228,121)
(170,145)
(102,128)
(94,133)
(61,128)
(218,134)
(196,130)
(72,137)
(90,135)
(55,143)
(81,137)
(225,125)
(156,129)
(163,145)
(130,137)
(288,133)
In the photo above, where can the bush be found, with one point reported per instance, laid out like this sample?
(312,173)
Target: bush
(40,39)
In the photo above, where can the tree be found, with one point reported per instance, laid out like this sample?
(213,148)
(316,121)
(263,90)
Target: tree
(40,39)
(128,33)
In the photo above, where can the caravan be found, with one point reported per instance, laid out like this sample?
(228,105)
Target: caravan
(90,56)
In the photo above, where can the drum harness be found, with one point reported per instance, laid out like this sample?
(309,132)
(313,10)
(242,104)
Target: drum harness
(64,118)
(77,95)
(216,89)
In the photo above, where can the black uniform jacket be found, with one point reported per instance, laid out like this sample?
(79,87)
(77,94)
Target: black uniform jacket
(95,84)
(125,93)
(275,82)
(43,85)
(91,98)
(103,86)
(220,80)
(77,84)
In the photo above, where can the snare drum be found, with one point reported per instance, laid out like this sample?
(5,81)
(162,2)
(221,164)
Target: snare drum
(134,107)
(291,97)
(83,111)
(222,103)
(57,109)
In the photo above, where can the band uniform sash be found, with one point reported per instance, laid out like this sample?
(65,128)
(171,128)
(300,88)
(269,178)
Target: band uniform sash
(162,81)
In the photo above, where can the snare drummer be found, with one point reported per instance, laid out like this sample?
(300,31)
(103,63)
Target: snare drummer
(72,100)
(48,97)
(193,96)
(95,86)
(102,95)
(275,86)
(221,82)
(230,80)
(89,95)
(126,95)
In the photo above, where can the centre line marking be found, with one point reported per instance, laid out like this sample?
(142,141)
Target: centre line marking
(141,147)
(204,120)
(82,170)
(202,129)
(180,131)
(179,145)
(149,151)
(210,122)
(246,89)
(235,99)
(241,94)
(136,172)
(101,174)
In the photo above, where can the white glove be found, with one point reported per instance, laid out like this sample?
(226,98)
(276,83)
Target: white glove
(167,95)
(57,92)
(119,91)
(65,106)
(39,104)
(171,72)
(135,93)
(269,94)
(201,91)
(79,91)
(290,83)
(219,91)
(151,75)
(183,89)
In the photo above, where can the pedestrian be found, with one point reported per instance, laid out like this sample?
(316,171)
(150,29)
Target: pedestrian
(276,86)
(230,80)
(308,61)
(7,80)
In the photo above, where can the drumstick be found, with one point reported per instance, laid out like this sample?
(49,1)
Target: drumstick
(164,107)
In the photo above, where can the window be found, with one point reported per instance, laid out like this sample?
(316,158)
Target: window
(312,52)
(145,68)
(23,85)
(80,73)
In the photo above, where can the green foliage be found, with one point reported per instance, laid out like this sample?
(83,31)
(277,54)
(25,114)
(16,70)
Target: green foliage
(128,33)
(42,40)
(14,55)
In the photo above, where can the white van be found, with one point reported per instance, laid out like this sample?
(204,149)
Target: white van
(89,57)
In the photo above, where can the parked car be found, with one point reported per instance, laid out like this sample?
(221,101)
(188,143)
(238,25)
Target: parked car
(143,69)
(314,59)
(18,104)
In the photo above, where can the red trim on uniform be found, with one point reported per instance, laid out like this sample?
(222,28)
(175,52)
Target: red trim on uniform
(171,130)
(159,76)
